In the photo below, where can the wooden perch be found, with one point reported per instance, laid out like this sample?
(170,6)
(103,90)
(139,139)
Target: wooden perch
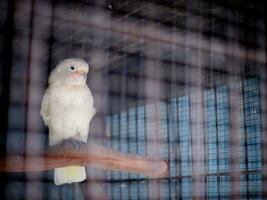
(92,155)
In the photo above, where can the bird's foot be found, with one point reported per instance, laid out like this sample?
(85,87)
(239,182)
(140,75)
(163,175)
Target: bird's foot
(76,143)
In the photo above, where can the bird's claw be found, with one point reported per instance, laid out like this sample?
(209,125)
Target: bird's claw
(76,144)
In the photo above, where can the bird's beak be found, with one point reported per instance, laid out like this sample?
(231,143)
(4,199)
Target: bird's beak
(80,72)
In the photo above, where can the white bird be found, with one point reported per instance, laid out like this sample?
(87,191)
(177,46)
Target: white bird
(67,109)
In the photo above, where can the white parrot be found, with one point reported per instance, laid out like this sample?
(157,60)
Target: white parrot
(67,109)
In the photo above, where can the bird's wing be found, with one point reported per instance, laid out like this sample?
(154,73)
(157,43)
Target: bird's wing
(92,107)
(45,107)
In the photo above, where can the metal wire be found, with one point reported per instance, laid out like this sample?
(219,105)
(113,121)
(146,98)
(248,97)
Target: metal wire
(185,81)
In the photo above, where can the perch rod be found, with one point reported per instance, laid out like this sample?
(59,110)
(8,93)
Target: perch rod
(92,155)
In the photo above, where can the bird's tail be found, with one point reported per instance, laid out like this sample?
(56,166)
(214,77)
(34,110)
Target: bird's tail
(69,174)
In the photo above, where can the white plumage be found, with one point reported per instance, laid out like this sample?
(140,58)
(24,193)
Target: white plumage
(67,109)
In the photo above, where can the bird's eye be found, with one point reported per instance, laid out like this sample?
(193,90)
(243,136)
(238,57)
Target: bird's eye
(72,67)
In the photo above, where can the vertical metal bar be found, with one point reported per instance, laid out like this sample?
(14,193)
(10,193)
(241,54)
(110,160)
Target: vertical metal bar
(171,118)
(137,105)
(234,127)
(146,142)
(153,84)
(125,103)
(30,191)
(263,89)
(196,118)
(6,69)
(127,109)
(143,47)
(51,35)
(106,68)
(263,111)
(217,143)
(234,173)
(205,155)
(29,62)
(119,140)
(112,174)
(191,161)
(174,95)
(178,155)
(210,20)
(167,102)
(50,63)
(136,137)
(187,83)
(124,106)
(242,98)
(219,173)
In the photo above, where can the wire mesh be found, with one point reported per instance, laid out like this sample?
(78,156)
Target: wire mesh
(181,80)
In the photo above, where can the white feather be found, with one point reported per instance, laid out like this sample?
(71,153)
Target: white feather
(70,110)
(67,109)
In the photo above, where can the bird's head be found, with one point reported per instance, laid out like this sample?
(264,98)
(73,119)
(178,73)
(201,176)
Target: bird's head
(72,71)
